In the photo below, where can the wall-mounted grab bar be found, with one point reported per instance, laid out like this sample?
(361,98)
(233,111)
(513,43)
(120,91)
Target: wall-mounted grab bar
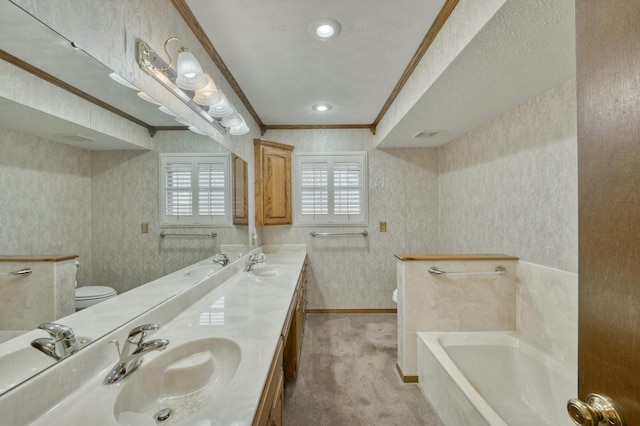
(210,235)
(337,234)
(500,270)
(21,273)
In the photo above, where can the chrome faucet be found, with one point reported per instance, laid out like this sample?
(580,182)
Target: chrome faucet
(60,345)
(221,259)
(252,260)
(130,360)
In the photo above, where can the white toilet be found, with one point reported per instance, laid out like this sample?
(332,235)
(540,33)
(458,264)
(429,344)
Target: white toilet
(92,294)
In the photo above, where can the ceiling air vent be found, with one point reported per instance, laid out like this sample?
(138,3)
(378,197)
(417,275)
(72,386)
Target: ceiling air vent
(427,133)
(74,137)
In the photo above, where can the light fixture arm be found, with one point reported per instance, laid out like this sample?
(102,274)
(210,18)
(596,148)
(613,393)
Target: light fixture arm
(182,49)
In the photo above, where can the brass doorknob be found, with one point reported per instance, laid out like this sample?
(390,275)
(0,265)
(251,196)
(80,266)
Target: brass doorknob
(597,410)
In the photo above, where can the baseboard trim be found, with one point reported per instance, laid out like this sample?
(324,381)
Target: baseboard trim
(406,379)
(351,311)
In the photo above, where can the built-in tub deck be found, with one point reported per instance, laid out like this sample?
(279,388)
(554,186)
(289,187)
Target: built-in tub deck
(493,378)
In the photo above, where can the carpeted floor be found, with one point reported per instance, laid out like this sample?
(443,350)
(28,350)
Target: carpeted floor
(347,376)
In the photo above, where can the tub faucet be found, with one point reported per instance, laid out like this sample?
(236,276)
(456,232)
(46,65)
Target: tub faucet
(252,260)
(130,360)
(221,259)
(60,345)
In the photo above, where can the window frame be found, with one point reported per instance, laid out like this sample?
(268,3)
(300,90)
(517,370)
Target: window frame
(196,220)
(336,156)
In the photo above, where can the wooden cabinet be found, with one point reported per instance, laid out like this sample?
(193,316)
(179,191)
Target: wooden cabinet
(286,359)
(272,182)
(271,403)
(240,192)
(294,334)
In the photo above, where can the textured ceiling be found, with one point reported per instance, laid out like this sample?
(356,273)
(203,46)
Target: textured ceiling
(283,71)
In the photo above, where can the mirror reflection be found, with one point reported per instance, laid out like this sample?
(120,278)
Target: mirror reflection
(80,200)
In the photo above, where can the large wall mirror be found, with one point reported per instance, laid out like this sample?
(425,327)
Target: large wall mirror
(80,167)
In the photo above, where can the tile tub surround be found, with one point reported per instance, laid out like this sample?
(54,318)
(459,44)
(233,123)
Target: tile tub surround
(250,311)
(547,310)
(427,302)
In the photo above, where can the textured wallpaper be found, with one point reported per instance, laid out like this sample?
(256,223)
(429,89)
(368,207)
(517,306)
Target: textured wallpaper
(510,186)
(45,196)
(125,192)
(356,272)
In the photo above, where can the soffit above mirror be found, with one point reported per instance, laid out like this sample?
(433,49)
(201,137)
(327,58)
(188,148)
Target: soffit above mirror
(29,44)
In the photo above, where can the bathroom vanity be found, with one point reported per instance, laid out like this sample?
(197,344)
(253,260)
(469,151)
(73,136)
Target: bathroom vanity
(35,289)
(234,337)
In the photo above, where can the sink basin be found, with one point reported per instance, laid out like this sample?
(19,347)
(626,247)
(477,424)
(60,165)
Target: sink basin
(200,272)
(183,379)
(266,271)
(19,365)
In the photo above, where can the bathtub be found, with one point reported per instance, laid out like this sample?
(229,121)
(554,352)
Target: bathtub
(493,378)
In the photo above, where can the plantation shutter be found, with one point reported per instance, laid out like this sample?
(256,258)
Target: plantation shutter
(195,190)
(314,188)
(347,188)
(178,189)
(211,189)
(330,189)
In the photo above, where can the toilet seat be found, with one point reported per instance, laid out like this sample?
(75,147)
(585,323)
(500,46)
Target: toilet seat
(90,295)
(94,292)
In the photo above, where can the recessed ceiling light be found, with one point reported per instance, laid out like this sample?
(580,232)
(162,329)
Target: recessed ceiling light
(321,107)
(324,29)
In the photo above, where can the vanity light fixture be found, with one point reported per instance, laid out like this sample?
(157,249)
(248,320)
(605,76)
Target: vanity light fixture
(324,29)
(191,85)
(321,107)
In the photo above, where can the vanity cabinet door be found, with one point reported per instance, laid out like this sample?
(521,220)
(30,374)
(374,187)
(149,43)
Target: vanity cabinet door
(273,183)
(271,402)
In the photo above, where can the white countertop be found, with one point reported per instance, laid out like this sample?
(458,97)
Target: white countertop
(244,308)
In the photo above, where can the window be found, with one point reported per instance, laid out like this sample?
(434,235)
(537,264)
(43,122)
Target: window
(195,190)
(331,189)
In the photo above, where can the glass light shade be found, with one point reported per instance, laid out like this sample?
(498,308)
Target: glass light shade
(190,75)
(143,95)
(183,121)
(232,120)
(222,108)
(118,79)
(194,129)
(209,94)
(240,129)
(166,110)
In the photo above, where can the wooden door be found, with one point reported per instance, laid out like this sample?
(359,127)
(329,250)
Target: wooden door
(608,89)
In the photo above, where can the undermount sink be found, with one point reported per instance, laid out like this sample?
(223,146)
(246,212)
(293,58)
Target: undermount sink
(203,271)
(266,271)
(181,380)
